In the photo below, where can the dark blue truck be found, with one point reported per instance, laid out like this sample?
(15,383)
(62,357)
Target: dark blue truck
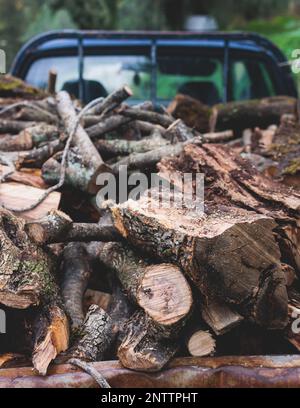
(212,67)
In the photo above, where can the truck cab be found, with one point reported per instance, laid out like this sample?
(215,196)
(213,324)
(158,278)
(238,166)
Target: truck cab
(212,67)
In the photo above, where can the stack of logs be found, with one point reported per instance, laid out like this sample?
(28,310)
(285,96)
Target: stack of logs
(136,279)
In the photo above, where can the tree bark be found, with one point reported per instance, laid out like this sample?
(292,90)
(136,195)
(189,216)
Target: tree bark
(147,116)
(106,125)
(112,101)
(77,272)
(96,336)
(86,155)
(26,281)
(58,227)
(253,113)
(145,347)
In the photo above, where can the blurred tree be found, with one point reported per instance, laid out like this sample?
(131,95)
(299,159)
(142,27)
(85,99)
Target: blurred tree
(141,15)
(90,14)
(11,26)
(45,19)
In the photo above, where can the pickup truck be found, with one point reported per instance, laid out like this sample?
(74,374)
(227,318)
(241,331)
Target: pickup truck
(211,67)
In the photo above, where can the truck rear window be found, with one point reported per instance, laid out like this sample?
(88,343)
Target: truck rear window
(198,76)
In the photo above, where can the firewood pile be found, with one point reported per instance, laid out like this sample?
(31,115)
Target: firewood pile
(136,280)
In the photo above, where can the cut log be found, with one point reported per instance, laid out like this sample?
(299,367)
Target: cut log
(58,227)
(112,101)
(96,336)
(13,195)
(47,229)
(86,155)
(77,271)
(262,113)
(161,290)
(145,347)
(201,343)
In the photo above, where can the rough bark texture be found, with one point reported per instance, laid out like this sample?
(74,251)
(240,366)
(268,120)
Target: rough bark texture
(121,147)
(96,336)
(77,271)
(50,228)
(58,227)
(145,347)
(112,101)
(26,281)
(250,114)
(85,155)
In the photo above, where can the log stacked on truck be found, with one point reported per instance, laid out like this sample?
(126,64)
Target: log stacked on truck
(160,275)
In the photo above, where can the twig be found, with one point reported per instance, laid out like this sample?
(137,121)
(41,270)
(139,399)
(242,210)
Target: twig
(22,105)
(98,377)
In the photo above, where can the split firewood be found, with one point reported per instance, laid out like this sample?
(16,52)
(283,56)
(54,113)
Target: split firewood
(95,336)
(58,227)
(32,286)
(144,223)
(219,316)
(77,272)
(13,195)
(145,347)
(160,290)
(22,177)
(51,336)
(201,343)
